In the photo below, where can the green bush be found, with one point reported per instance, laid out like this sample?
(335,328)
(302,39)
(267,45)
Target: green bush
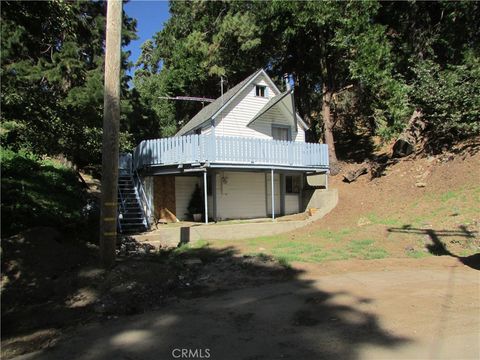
(449,99)
(38,192)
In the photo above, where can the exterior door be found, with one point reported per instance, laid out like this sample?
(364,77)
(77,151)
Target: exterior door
(164,198)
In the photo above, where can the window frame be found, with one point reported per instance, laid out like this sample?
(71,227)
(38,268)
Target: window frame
(289,131)
(292,189)
(263,88)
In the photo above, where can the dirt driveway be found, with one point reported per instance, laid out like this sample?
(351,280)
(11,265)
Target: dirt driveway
(425,309)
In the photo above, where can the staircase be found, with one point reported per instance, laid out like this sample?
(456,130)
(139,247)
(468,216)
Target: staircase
(131,215)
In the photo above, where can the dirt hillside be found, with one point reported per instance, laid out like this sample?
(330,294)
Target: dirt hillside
(415,200)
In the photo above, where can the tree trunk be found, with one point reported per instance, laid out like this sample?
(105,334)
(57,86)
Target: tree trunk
(328,124)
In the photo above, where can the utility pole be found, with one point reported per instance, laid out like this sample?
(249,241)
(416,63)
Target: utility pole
(111,121)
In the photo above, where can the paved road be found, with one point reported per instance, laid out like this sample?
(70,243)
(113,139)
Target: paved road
(382,309)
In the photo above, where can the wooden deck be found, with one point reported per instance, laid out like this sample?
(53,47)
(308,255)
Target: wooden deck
(210,149)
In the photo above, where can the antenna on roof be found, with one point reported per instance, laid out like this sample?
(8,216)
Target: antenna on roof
(203,100)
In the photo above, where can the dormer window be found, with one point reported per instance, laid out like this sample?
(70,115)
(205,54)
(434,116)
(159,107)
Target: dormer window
(260,90)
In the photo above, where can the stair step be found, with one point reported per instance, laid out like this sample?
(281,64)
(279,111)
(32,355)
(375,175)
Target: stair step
(133,220)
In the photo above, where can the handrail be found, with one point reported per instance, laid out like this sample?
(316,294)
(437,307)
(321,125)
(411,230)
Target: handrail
(122,204)
(140,186)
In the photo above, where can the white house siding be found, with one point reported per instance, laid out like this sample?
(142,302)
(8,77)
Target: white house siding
(240,195)
(210,206)
(291,204)
(300,136)
(148,187)
(184,187)
(233,120)
(276,189)
(276,116)
(206,130)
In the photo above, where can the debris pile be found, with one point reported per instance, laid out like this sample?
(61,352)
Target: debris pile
(128,246)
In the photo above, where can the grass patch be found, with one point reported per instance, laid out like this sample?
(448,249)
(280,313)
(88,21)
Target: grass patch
(200,244)
(374,253)
(365,249)
(448,196)
(375,219)
(320,247)
(417,254)
(284,261)
(360,244)
(261,240)
(185,248)
(333,236)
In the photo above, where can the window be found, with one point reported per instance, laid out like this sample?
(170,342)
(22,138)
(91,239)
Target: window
(260,90)
(292,184)
(281,133)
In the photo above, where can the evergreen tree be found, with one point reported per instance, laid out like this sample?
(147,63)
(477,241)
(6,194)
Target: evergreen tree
(52,77)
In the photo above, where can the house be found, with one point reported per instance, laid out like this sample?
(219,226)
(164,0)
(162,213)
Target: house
(245,153)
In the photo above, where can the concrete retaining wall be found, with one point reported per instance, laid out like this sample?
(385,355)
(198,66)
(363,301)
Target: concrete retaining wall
(323,200)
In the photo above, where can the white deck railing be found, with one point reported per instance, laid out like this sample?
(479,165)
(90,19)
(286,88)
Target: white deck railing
(193,149)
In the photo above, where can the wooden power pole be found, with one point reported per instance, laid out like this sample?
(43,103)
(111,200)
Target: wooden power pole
(111,125)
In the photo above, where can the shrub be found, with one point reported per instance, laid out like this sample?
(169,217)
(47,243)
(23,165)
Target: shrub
(449,99)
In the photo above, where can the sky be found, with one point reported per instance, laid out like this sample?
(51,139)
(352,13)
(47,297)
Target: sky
(150,17)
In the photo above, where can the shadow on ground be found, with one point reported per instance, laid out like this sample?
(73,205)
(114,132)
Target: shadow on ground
(437,246)
(236,306)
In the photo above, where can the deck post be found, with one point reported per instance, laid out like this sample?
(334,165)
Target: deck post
(282,194)
(214,195)
(273,196)
(205,195)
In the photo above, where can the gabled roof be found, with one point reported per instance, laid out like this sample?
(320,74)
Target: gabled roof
(208,111)
(271,103)
(213,109)
(281,98)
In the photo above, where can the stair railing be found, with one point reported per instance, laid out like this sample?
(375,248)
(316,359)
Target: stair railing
(120,210)
(143,198)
